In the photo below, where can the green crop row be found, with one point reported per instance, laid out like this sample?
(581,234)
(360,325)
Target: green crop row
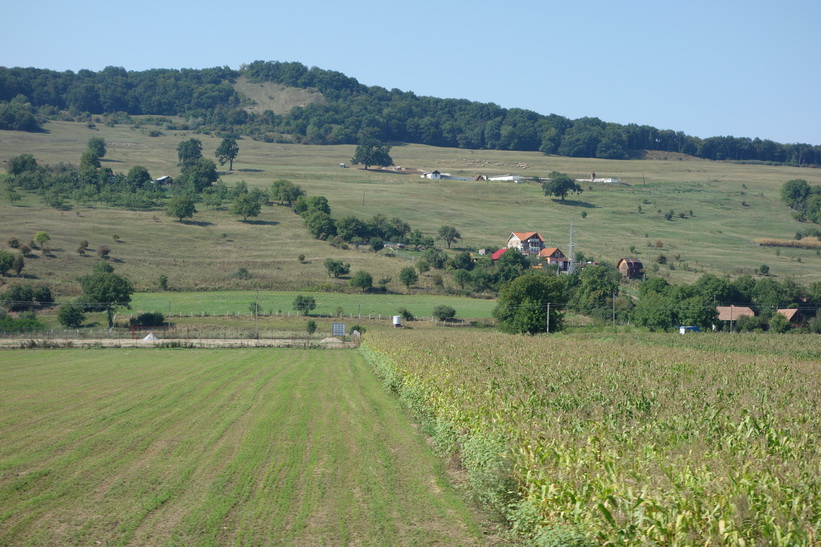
(624,441)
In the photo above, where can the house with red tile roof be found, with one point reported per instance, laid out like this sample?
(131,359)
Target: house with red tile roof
(529,243)
(554,256)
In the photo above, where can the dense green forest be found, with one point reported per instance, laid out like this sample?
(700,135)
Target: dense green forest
(208,100)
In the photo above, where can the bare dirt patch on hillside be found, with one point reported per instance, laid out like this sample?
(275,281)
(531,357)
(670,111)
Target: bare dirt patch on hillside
(278,98)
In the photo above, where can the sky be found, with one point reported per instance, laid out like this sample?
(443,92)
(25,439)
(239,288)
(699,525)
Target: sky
(706,67)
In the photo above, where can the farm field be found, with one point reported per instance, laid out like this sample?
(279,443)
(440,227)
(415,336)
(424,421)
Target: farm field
(214,447)
(273,302)
(726,207)
(625,440)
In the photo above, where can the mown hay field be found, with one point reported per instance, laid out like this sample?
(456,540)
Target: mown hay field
(636,440)
(207,447)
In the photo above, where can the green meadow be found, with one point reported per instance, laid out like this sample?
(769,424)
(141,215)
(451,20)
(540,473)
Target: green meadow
(259,447)
(327,304)
(718,208)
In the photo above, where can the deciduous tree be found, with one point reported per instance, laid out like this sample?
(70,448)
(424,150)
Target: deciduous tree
(522,304)
(408,276)
(104,289)
(304,304)
(449,234)
(181,206)
(246,205)
(559,184)
(362,280)
(372,152)
(188,152)
(227,152)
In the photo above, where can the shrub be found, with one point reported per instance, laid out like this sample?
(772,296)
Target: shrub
(443,312)
(147,319)
(242,273)
(14,242)
(310,326)
(406,314)
(71,315)
(104,252)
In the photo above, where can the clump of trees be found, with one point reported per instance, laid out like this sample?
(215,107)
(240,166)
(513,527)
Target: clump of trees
(803,198)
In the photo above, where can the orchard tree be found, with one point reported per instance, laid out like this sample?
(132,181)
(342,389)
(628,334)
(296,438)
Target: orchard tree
(522,305)
(42,239)
(285,191)
(199,175)
(372,152)
(21,164)
(443,312)
(559,184)
(449,234)
(138,177)
(408,276)
(335,268)
(362,280)
(246,205)
(104,289)
(227,152)
(181,206)
(97,146)
(304,304)
(18,264)
(189,152)
(6,262)
(71,315)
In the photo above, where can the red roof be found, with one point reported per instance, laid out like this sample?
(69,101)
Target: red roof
(524,236)
(548,253)
(497,254)
(731,313)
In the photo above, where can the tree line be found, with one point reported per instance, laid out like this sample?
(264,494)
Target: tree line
(207,99)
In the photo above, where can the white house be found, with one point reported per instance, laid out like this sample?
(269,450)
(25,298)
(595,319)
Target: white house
(526,242)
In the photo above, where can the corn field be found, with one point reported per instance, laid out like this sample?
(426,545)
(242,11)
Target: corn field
(624,440)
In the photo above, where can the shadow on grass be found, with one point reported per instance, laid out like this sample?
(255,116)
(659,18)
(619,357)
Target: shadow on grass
(197,223)
(251,170)
(574,203)
(261,222)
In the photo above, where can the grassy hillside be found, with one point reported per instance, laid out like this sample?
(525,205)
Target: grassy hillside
(731,205)
(262,447)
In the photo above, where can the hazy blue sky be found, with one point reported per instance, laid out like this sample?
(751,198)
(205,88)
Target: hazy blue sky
(720,67)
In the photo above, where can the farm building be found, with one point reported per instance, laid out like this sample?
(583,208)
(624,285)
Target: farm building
(163,181)
(554,256)
(508,178)
(630,268)
(793,315)
(434,175)
(732,313)
(498,254)
(529,243)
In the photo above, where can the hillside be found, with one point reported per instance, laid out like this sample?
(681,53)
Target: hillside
(277,98)
(725,207)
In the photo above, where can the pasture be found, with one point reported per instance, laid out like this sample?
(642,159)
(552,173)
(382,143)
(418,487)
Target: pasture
(630,440)
(214,447)
(725,207)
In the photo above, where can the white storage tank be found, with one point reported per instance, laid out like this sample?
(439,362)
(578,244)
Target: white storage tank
(397,320)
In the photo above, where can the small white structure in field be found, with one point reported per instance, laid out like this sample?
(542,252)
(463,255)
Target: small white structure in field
(150,338)
(397,320)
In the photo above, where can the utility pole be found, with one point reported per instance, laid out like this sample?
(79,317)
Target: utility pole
(614,312)
(548,318)
(256,314)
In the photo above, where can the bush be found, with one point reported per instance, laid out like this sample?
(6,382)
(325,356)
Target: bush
(147,319)
(71,315)
(242,273)
(405,314)
(310,326)
(359,328)
(104,251)
(443,312)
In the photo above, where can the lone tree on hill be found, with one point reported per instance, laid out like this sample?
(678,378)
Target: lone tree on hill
(559,184)
(449,234)
(228,151)
(372,152)
(362,280)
